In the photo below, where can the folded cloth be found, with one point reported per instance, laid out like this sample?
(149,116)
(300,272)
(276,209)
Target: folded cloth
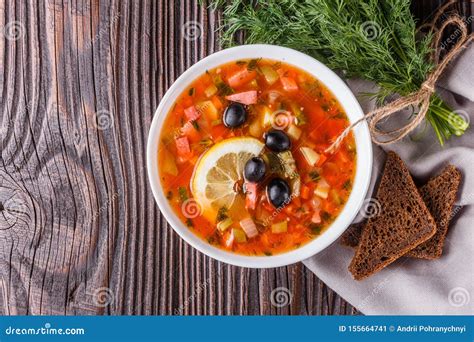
(413,286)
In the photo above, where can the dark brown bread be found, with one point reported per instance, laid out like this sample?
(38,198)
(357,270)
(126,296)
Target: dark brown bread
(403,222)
(351,236)
(439,195)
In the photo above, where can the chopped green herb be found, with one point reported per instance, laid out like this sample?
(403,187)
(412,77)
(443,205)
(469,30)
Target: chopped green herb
(253,64)
(267,253)
(191,91)
(206,142)
(314,175)
(169,195)
(241,62)
(195,124)
(189,222)
(325,216)
(183,193)
(339,115)
(222,214)
(347,185)
(325,107)
(315,228)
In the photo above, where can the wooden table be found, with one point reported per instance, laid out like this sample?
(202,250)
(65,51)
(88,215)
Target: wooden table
(80,232)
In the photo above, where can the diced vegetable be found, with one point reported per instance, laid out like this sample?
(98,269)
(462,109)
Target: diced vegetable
(238,235)
(208,109)
(322,189)
(229,240)
(271,76)
(246,97)
(241,77)
(295,186)
(294,132)
(288,84)
(182,145)
(305,192)
(169,165)
(223,225)
(316,218)
(335,196)
(267,116)
(256,129)
(280,227)
(192,113)
(310,155)
(250,195)
(210,91)
(249,227)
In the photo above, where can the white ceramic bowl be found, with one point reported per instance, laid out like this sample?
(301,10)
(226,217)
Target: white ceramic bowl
(346,99)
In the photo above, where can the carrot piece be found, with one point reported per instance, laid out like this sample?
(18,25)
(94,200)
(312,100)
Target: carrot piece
(192,113)
(246,97)
(241,77)
(322,159)
(250,195)
(182,145)
(305,192)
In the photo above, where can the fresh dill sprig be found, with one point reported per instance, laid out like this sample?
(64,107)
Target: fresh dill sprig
(372,39)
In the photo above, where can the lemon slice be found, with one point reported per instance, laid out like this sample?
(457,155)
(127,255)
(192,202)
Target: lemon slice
(217,172)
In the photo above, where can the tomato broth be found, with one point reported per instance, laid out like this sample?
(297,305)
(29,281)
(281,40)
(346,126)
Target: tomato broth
(263,99)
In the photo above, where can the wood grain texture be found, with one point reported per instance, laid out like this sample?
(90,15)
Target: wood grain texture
(80,232)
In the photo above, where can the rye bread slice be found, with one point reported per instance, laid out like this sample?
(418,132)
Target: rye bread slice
(351,236)
(439,195)
(404,222)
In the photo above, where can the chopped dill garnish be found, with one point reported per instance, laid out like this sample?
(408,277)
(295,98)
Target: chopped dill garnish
(183,193)
(222,214)
(314,175)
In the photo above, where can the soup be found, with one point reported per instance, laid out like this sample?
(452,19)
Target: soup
(242,159)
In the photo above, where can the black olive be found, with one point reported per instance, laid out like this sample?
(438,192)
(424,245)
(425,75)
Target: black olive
(255,169)
(235,115)
(278,192)
(277,141)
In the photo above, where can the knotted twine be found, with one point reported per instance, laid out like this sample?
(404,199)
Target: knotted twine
(420,98)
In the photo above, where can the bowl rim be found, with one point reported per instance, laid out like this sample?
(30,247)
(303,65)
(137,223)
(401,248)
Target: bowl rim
(345,97)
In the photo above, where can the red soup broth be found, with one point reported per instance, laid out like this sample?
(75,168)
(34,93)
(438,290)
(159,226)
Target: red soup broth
(301,106)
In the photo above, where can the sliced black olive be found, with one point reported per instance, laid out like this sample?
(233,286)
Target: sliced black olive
(278,192)
(255,169)
(277,141)
(235,115)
